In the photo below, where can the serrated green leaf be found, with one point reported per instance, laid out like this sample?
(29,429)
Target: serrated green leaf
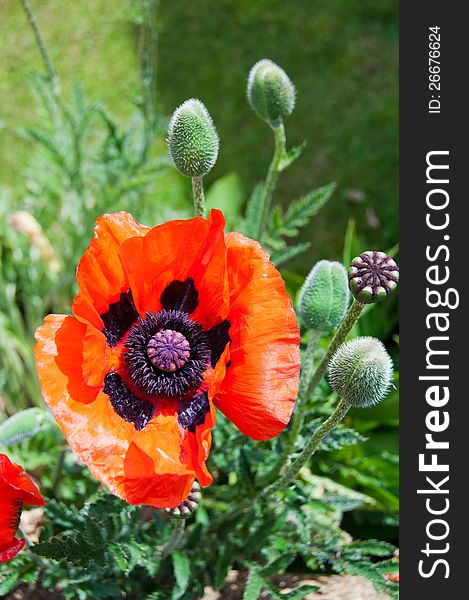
(182,573)
(254,585)
(298,593)
(7,582)
(290,156)
(280,257)
(370,548)
(300,211)
(254,212)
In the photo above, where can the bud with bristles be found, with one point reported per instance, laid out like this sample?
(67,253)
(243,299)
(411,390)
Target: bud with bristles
(189,505)
(270,92)
(361,372)
(192,139)
(324,296)
(373,276)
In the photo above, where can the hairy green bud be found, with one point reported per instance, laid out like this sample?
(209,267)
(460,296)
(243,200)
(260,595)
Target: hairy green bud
(373,276)
(270,92)
(361,372)
(192,139)
(324,297)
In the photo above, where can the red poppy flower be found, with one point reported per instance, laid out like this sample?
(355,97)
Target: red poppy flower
(168,323)
(16,490)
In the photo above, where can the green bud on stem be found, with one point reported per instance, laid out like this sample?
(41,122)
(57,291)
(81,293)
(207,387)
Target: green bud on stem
(324,297)
(361,372)
(192,139)
(270,92)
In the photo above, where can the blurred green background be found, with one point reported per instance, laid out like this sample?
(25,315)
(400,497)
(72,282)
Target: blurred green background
(341,54)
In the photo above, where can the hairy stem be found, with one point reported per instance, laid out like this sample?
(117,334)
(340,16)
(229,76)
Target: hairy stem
(292,468)
(298,415)
(149,60)
(199,199)
(174,541)
(305,379)
(271,180)
(309,383)
(344,329)
(58,473)
(51,74)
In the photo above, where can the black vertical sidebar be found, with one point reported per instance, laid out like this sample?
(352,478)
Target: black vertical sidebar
(434,363)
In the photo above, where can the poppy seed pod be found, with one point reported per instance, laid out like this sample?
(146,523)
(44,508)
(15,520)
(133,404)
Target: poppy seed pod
(361,372)
(373,276)
(324,296)
(192,139)
(270,92)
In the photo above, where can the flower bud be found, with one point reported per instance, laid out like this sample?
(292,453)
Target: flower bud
(361,372)
(270,92)
(373,276)
(192,139)
(324,296)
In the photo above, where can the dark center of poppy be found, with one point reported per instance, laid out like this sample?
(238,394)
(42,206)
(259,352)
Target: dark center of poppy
(166,355)
(168,350)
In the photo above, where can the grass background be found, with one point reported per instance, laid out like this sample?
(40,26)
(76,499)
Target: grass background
(341,54)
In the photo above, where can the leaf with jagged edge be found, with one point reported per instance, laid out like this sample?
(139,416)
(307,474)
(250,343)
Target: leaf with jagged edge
(254,212)
(182,574)
(254,585)
(300,211)
(280,257)
(290,156)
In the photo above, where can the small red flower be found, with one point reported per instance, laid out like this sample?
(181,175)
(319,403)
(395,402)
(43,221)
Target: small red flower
(16,490)
(168,323)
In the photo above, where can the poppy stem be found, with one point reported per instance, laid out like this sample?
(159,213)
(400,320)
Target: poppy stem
(293,466)
(199,198)
(174,541)
(51,74)
(309,383)
(58,473)
(271,180)
(298,415)
(348,322)
(149,61)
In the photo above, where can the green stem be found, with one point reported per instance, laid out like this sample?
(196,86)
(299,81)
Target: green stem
(298,415)
(149,70)
(174,541)
(58,473)
(199,199)
(305,379)
(271,180)
(344,329)
(309,383)
(51,74)
(54,81)
(294,466)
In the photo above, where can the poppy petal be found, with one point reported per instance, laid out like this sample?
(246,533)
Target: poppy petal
(11,549)
(174,252)
(152,466)
(80,356)
(261,382)
(101,278)
(17,484)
